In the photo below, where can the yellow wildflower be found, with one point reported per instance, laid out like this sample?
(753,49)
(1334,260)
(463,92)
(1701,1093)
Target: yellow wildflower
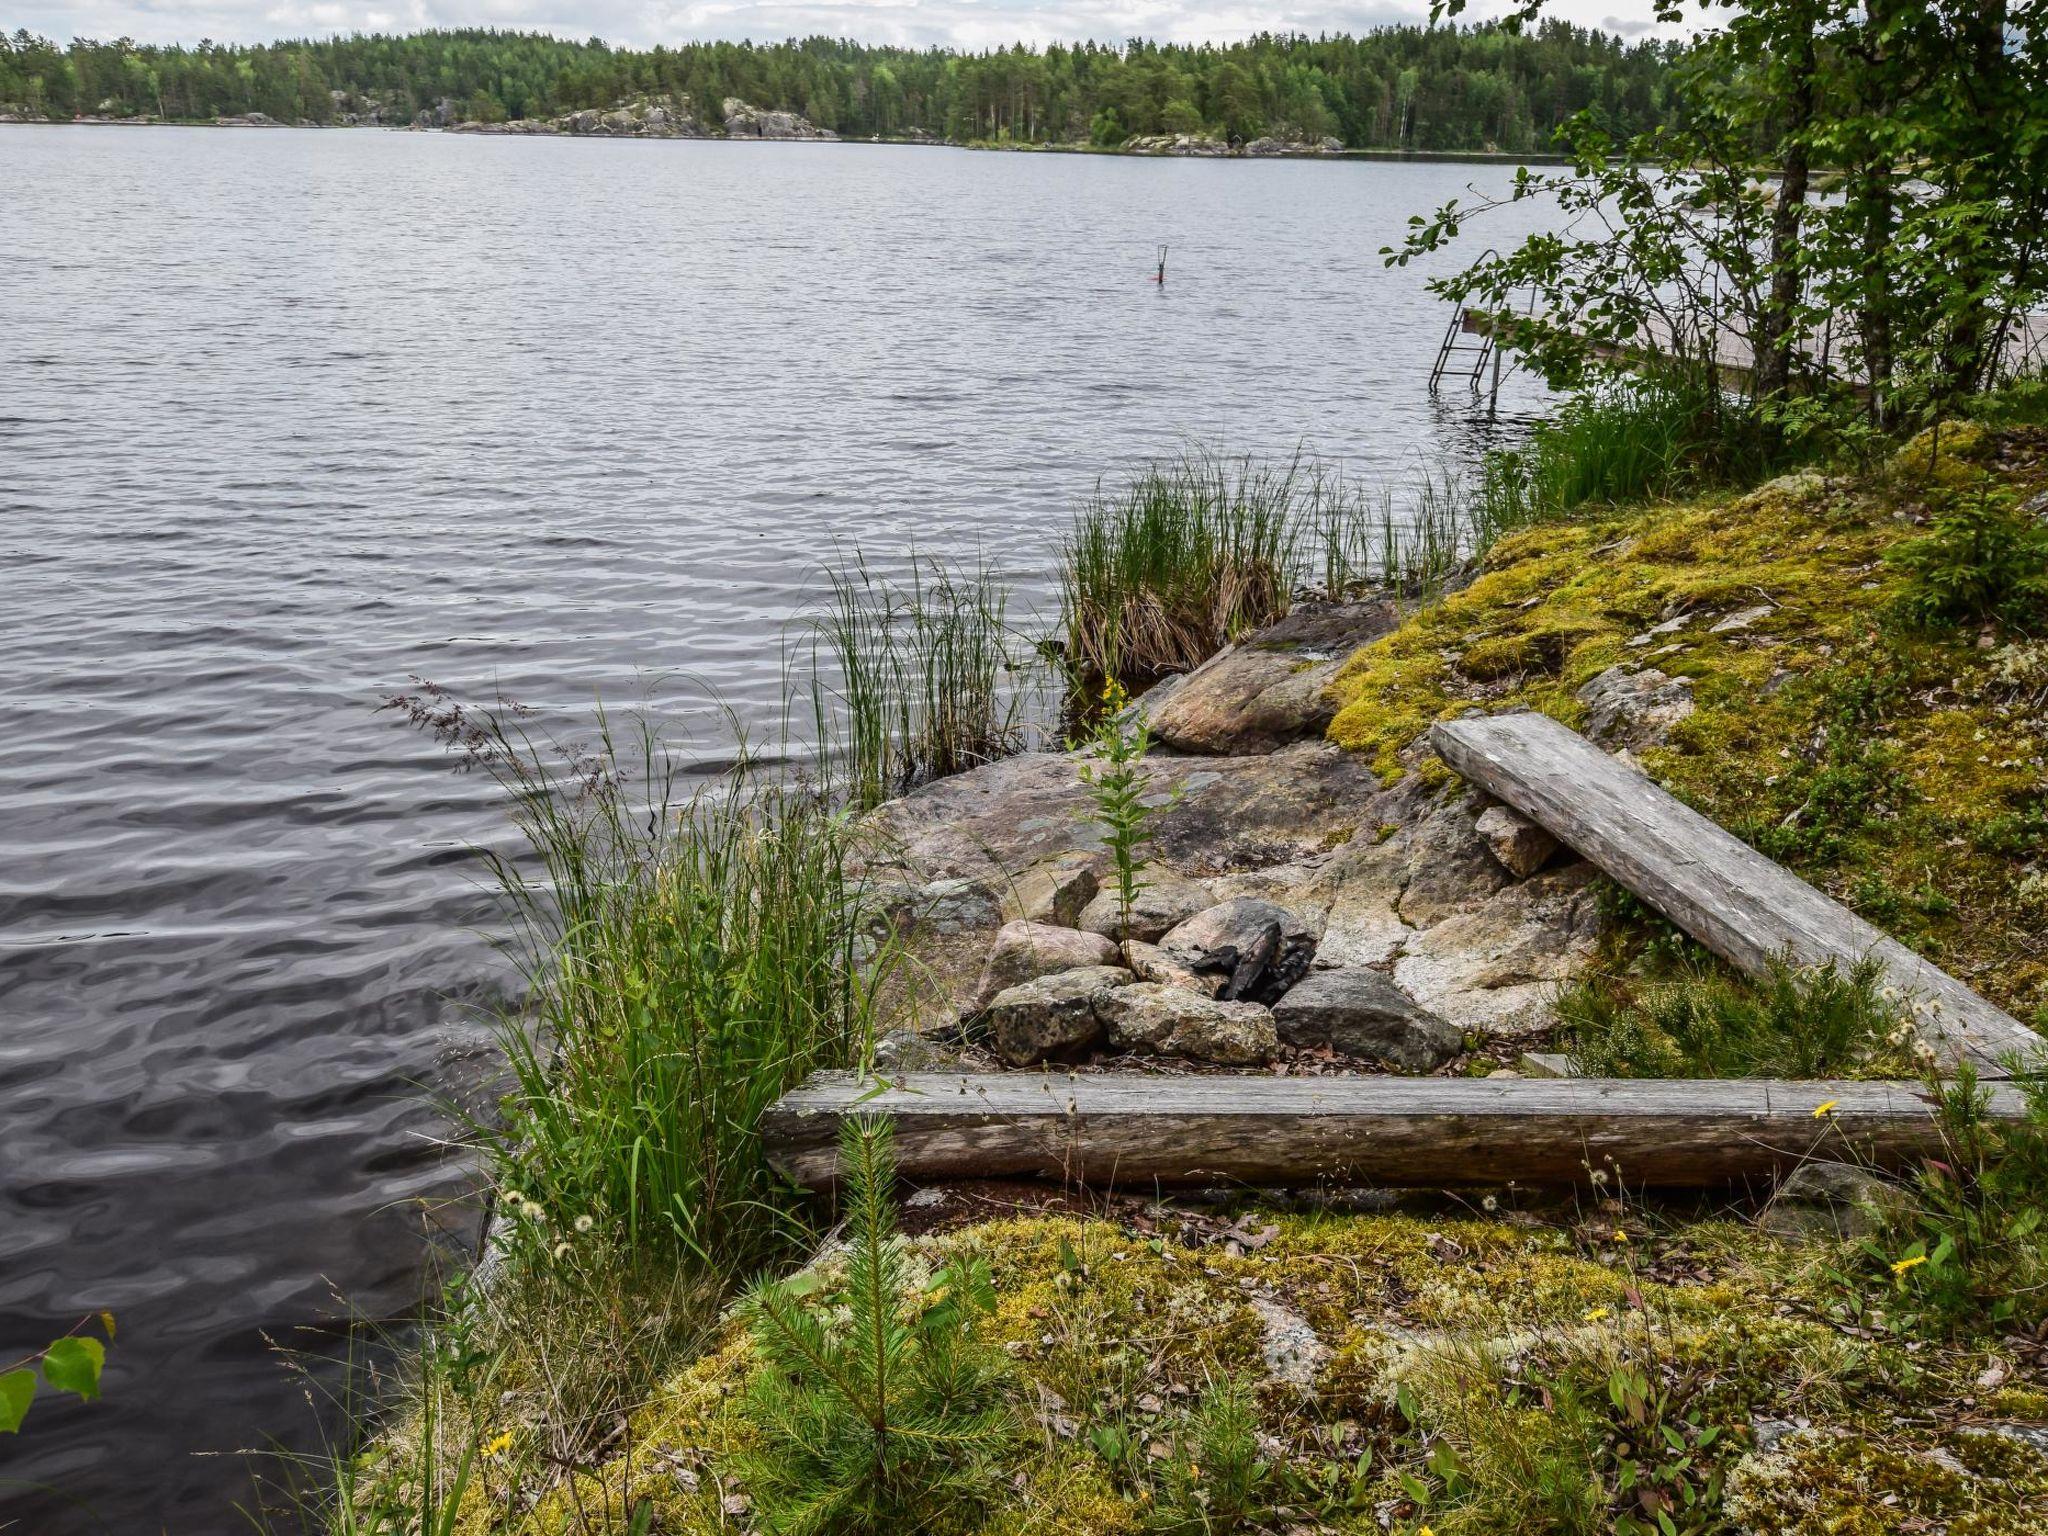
(499,1446)
(1914,1262)
(1821,1112)
(1620,1236)
(1598,1315)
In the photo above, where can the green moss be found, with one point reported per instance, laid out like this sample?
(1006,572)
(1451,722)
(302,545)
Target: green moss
(1903,773)
(1832,1482)
(1945,454)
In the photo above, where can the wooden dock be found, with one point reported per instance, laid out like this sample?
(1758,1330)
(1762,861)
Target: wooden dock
(1734,357)
(1741,905)
(1426,1132)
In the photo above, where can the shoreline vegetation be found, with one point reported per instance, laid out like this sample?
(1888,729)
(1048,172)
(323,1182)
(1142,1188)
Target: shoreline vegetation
(1446,89)
(707,1352)
(1178,147)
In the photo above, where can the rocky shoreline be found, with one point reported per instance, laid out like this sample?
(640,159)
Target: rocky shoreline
(1298,915)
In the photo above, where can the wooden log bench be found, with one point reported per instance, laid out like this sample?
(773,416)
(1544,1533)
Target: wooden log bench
(1741,905)
(1418,1132)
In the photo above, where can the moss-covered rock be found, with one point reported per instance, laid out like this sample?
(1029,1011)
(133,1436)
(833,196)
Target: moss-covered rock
(1905,772)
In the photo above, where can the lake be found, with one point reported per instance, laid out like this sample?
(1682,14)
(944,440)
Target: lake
(290,417)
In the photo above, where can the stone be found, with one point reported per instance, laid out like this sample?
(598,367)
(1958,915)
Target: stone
(1634,707)
(1272,687)
(1216,814)
(1165,902)
(1832,1200)
(743,121)
(1262,948)
(1359,891)
(1499,965)
(1521,846)
(1289,1347)
(1054,890)
(1450,867)
(1053,1018)
(1148,962)
(954,906)
(1362,1013)
(1025,951)
(1160,1019)
(1742,619)
(1546,1064)
(905,1050)
(1246,700)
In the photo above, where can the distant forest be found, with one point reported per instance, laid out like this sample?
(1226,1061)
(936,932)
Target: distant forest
(1428,88)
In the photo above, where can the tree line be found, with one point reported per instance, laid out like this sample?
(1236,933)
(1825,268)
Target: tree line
(1427,88)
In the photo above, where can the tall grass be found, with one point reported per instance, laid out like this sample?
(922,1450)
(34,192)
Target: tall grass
(1636,438)
(688,957)
(918,678)
(1407,537)
(1187,556)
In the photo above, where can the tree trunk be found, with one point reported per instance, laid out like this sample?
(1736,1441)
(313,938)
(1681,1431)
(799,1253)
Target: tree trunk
(1777,331)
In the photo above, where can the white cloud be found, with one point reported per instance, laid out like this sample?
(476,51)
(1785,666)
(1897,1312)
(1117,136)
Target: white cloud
(916,23)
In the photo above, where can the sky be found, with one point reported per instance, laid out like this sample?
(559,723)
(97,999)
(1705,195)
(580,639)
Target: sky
(967,24)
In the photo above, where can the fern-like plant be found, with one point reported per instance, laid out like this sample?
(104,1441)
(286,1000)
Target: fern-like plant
(878,1409)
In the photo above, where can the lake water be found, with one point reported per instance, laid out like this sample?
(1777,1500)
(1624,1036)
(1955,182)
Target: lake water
(288,417)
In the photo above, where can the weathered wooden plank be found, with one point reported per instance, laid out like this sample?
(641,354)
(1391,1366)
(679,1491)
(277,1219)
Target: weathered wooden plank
(1415,1131)
(1716,887)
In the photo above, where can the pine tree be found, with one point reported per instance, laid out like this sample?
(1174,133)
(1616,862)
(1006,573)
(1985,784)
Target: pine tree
(878,1408)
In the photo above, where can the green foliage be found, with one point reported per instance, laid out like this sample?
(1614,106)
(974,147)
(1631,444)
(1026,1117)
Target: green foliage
(1984,560)
(1216,1480)
(927,683)
(1618,442)
(1969,1251)
(878,1409)
(71,1364)
(1186,557)
(1897,289)
(1847,775)
(1705,1021)
(1117,782)
(689,957)
(1442,88)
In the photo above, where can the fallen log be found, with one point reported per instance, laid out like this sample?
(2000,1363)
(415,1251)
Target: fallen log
(1741,905)
(1417,1132)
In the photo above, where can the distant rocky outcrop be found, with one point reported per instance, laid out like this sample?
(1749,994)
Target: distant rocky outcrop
(352,111)
(1201,144)
(1175,144)
(649,117)
(743,121)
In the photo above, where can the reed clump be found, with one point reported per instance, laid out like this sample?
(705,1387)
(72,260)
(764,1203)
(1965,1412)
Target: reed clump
(917,677)
(1161,574)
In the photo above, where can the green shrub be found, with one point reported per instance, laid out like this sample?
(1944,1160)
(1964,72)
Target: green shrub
(1705,1021)
(1216,1480)
(1984,559)
(1969,1251)
(878,1409)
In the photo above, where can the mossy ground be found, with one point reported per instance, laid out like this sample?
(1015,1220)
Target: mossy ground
(1901,770)
(1460,1377)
